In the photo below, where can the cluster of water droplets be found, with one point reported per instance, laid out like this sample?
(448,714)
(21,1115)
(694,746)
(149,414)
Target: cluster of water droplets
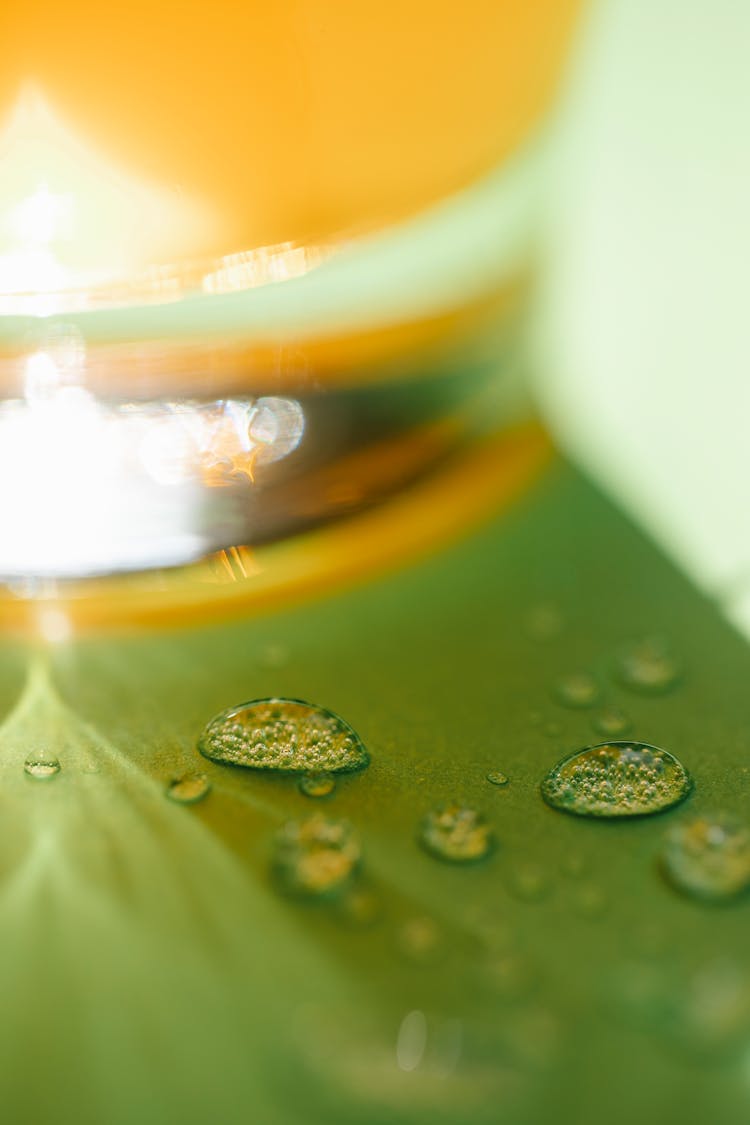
(287,735)
(617,779)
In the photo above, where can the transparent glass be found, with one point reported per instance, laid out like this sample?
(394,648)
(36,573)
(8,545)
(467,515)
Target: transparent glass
(261,268)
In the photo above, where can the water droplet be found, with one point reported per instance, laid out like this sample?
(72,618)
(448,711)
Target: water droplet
(274,656)
(611,721)
(360,908)
(496,936)
(316,784)
(577,690)
(41,766)
(708,857)
(420,940)
(528,882)
(189,788)
(495,777)
(573,865)
(590,901)
(456,833)
(710,1015)
(648,667)
(511,975)
(544,621)
(617,779)
(283,734)
(315,857)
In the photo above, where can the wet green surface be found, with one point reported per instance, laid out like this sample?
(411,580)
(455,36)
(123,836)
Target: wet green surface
(153,971)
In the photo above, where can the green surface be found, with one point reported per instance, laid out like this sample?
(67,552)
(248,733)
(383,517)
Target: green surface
(152,972)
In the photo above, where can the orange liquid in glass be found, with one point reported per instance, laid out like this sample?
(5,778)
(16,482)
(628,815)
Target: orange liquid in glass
(292,120)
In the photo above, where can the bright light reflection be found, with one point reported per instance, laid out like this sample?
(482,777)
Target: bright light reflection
(69,220)
(87,487)
(250,268)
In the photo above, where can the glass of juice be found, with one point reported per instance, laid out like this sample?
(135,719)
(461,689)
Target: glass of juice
(262,277)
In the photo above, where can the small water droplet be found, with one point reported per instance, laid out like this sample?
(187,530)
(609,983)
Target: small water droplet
(544,621)
(495,777)
(528,882)
(573,865)
(41,766)
(360,908)
(456,833)
(316,784)
(287,735)
(511,975)
(274,656)
(420,940)
(611,721)
(316,857)
(648,667)
(496,936)
(708,857)
(711,1013)
(617,779)
(589,901)
(577,690)
(188,788)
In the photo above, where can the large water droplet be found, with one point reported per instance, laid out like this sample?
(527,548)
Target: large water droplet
(315,857)
(577,690)
(41,766)
(189,788)
(617,779)
(316,784)
(456,833)
(648,667)
(283,734)
(708,857)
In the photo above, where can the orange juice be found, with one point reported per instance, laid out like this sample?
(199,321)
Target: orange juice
(292,120)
